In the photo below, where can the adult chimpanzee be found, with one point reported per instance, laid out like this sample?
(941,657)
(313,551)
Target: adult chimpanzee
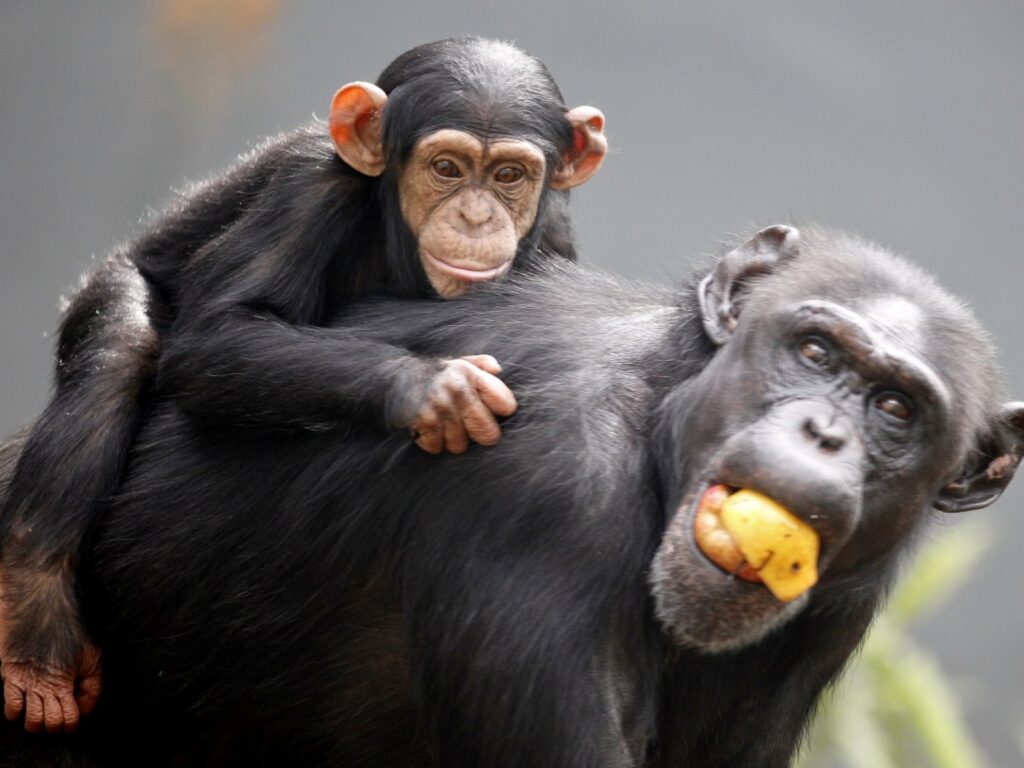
(452,170)
(344,599)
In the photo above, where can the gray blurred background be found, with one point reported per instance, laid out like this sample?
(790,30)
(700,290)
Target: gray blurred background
(901,121)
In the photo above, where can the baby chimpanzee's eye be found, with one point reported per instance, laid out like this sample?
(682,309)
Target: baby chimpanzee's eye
(508,175)
(447,169)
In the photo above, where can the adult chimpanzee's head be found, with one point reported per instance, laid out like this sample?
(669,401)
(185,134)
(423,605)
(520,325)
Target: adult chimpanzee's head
(848,388)
(471,135)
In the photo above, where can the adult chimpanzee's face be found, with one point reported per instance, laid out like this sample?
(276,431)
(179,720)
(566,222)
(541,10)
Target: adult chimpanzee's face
(836,409)
(468,203)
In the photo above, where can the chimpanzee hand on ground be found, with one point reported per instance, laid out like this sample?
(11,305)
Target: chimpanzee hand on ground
(460,404)
(52,698)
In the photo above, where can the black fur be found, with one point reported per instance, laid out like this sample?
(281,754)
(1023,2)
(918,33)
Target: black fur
(343,598)
(230,286)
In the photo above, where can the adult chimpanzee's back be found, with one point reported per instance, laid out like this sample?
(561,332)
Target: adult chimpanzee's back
(566,597)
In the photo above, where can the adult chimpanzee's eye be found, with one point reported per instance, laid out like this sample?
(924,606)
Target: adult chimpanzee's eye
(508,175)
(815,351)
(894,404)
(447,169)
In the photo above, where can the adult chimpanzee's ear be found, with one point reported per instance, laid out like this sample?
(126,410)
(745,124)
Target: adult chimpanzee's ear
(721,291)
(589,146)
(995,460)
(355,126)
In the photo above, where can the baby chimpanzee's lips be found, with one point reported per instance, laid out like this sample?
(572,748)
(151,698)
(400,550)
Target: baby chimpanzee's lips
(754,538)
(464,273)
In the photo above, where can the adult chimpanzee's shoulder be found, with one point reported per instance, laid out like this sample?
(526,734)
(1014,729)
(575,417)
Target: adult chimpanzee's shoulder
(584,318)
(579,347)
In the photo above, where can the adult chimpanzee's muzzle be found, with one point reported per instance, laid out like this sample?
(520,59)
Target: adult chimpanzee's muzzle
(808,456)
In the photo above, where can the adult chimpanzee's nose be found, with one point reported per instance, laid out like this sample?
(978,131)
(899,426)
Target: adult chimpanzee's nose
(829,429)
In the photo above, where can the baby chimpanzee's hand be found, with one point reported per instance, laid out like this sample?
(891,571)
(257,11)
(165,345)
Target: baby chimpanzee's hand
(460,404)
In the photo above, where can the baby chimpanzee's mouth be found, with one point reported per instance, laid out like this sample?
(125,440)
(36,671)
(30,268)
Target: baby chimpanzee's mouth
(756,539)
(466,274)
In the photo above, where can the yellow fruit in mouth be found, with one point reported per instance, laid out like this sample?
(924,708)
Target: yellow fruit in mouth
(714,541)
(781,547)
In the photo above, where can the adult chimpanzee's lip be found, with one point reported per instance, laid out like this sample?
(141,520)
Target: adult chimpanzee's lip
(751,536)
(711,538)
(463,273)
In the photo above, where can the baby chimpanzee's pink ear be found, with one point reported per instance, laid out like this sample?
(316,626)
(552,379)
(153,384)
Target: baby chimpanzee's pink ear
(589,147)
(356,127)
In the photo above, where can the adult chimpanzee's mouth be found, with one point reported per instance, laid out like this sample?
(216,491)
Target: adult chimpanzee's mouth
(713,540)
(465,274)
(755,539)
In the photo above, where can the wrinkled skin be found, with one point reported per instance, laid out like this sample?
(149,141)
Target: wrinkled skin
(460,404)
(469,204)
(51,696)
(45,693)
